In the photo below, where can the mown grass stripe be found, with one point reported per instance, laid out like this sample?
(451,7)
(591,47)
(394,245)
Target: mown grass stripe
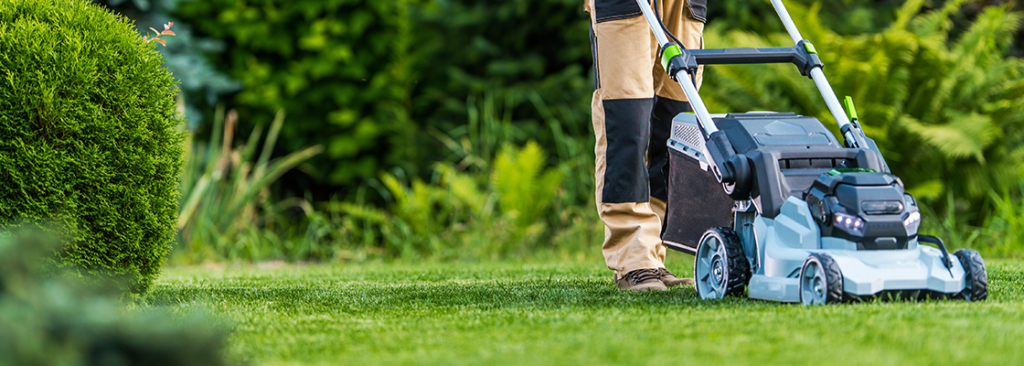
(570,313)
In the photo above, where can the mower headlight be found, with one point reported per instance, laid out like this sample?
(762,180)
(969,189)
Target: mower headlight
(849,223)
(882,207)
(912,221)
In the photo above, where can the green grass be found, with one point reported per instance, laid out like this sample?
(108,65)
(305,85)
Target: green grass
(570,313)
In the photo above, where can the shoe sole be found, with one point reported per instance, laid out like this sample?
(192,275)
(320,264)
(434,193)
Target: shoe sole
(679,282)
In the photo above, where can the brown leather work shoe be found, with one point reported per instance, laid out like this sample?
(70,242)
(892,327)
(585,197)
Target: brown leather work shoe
(671,280)
(641,279)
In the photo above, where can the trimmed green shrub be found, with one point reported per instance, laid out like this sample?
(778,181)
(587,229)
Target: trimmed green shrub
(88,137)
(185,55)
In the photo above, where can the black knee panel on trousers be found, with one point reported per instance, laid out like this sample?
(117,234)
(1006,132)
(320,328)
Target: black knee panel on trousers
(628,131)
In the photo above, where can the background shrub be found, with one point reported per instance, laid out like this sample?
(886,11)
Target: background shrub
(341,70)
(373,81)
(88,137)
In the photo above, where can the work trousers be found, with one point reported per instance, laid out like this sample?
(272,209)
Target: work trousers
(632,110)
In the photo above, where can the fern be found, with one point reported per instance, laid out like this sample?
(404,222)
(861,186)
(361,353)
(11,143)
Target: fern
(947,110)
(525,190)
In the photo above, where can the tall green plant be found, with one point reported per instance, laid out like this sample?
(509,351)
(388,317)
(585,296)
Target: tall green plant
(1004,228)
(999,232)
(225,192)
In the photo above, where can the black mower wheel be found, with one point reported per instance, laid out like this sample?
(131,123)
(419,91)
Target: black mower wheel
(720,268)
(976,288)
(821,281)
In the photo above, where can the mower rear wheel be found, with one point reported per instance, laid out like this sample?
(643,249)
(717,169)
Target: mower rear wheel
(720,269)
(976,278)
(821,281)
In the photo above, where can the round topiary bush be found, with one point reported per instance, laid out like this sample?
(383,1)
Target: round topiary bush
(89,139)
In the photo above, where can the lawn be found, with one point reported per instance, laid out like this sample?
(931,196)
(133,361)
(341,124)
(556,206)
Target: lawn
(570,313)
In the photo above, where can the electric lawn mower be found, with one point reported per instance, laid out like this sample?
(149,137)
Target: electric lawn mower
(775,203)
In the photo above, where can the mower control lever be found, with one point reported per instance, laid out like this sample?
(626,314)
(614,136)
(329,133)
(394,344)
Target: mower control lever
(721,150)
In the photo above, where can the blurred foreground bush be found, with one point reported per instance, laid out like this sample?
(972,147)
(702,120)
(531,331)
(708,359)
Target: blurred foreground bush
(89,138)
(48,320)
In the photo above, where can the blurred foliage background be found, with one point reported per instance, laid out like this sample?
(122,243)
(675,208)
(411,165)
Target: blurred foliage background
(460,129)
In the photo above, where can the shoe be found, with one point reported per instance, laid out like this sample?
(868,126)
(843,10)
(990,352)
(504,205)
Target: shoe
(641,279)
(670,280)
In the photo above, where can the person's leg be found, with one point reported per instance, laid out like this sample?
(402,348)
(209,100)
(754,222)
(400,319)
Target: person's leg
(621,110)
(670,101)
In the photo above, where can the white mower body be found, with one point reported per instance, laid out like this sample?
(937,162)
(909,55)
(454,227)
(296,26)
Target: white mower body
(783,244)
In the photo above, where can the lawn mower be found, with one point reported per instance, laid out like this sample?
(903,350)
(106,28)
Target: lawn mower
(775,204)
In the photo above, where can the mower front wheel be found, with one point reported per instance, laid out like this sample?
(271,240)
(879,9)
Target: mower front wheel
(720,269)
(976,286)
(821,281)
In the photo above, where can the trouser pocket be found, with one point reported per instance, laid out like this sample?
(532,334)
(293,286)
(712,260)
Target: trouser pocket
(608,10)
(698,10)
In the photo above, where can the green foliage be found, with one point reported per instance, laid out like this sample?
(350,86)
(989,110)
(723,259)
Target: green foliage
(519,52)
(371,80)
(226,213)
(47,320)
(490,125)
(342,70)
(524,191)
(999,234)
(1004,228)
(388,87)
(845,17)
(946,111)
(88,137)
(460,215)
(478,207)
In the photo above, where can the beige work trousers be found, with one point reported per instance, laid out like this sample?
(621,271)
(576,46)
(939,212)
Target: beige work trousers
(633,105)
